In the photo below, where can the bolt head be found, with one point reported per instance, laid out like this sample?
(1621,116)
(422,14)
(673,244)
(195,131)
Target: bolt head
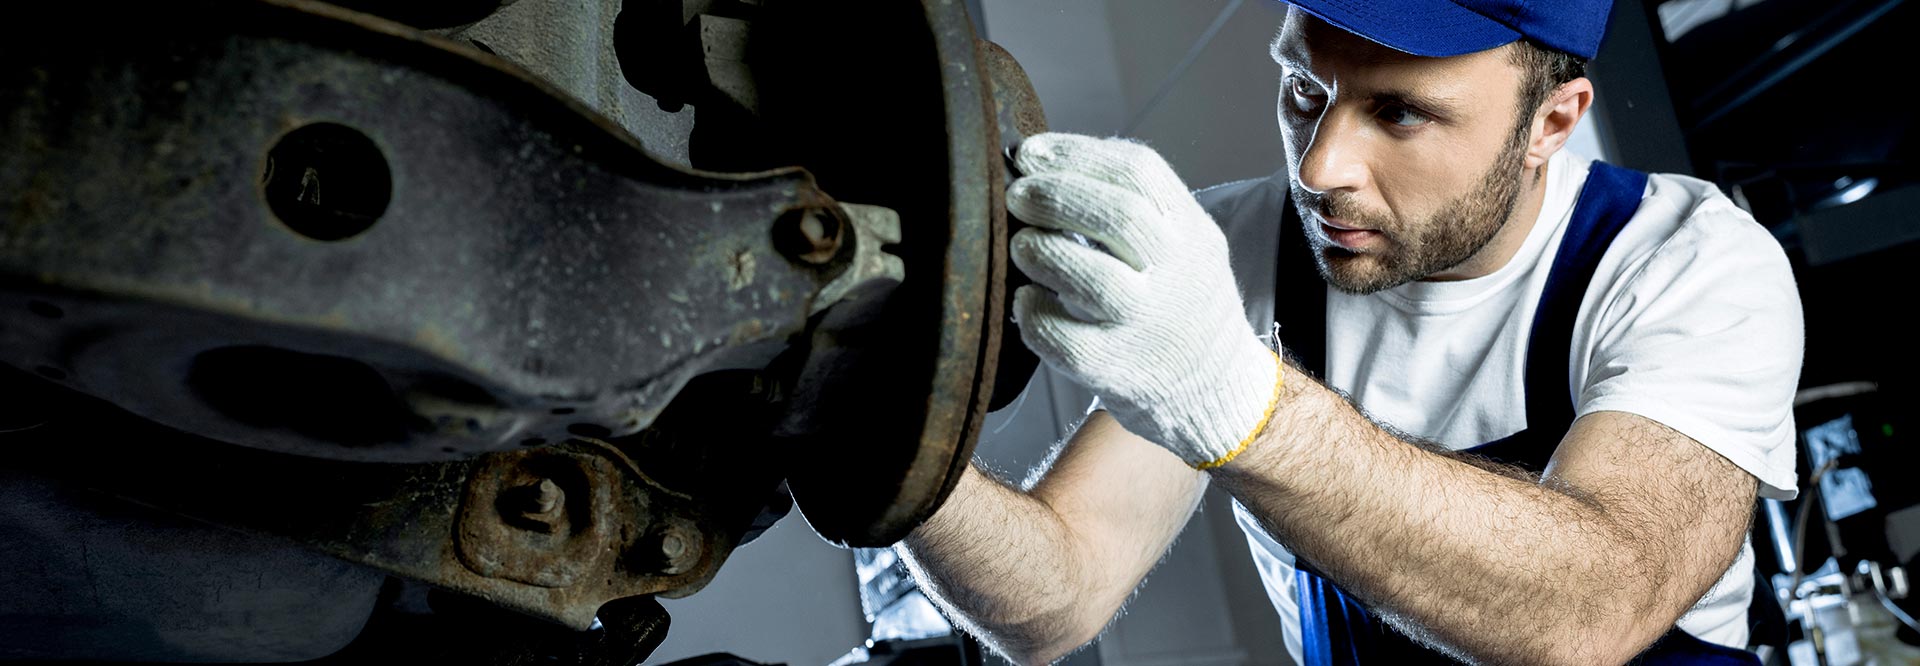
(545,498)
(540,507)
(811,235)
(679,550)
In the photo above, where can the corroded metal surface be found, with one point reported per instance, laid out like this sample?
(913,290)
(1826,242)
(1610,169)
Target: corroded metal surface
(337,241)
(871,266)
(1018,111)
(1016,105)
(578,47)
(546,517)
(531,273)
(455,524)
(916,369)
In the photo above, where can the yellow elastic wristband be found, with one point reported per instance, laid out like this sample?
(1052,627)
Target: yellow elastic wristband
(1279,380)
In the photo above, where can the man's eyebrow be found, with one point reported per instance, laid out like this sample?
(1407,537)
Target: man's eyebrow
(1438,104)
(1286,53)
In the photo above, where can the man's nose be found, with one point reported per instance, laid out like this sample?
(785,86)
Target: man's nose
(1336,155)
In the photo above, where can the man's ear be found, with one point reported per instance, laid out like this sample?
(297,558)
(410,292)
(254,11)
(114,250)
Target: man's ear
(1554,121)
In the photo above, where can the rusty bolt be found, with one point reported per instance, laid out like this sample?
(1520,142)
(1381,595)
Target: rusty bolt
(545,498)
(678,550)
(811,235)
(539,506)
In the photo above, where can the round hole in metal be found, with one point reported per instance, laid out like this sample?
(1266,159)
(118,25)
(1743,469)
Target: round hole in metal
(327,181)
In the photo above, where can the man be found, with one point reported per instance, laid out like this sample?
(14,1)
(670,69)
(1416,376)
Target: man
(1626,347)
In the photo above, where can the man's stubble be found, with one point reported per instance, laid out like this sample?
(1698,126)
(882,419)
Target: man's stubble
(1454,234)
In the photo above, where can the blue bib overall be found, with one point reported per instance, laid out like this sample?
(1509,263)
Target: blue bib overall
(1335,629)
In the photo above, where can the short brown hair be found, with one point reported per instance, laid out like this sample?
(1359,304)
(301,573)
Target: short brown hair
(1544,70)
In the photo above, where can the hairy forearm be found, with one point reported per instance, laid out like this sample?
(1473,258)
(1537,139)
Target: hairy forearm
(1001,563)
(1470,557)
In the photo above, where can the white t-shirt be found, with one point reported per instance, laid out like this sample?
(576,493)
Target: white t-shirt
(1692,320)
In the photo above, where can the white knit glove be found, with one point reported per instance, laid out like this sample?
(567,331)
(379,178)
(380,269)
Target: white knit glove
(1156,328)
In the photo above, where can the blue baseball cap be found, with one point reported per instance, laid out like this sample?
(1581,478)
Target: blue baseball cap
(1440,28)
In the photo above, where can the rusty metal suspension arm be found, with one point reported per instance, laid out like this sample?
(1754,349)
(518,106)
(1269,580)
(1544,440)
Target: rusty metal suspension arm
(221,195)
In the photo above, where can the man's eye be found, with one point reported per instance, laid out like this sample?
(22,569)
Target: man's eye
(1402,116)
(1302,96)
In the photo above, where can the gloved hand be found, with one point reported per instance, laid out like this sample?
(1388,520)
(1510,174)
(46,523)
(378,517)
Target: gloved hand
(1156,328)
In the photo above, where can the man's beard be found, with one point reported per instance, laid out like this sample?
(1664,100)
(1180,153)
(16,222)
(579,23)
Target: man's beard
(1415,249)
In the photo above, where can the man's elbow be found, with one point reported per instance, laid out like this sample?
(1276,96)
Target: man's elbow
(1044,642)
(1617,625)
(1610,636)
(1572,649)
(1603,651)
(1609,640)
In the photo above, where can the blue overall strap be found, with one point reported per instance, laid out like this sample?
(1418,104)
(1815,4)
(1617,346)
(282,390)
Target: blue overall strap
(1609,198)
(1327,618)
(1335,628)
